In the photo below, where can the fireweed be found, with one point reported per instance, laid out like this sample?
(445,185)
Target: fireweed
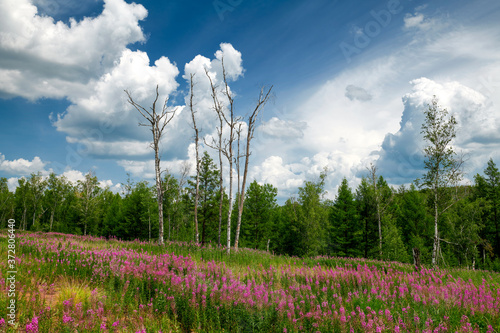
(141,287)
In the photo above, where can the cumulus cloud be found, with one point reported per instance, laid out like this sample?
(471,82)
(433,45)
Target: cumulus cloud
(73,176)
(43,58)
(461,64)
(22,166)
(357,93)
(103,121)
(478,129)
(106,125)
(273,171)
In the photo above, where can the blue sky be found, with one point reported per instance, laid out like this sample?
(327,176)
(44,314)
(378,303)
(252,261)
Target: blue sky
(350,82)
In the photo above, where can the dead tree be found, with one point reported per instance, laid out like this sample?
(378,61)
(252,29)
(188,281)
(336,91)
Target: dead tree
(196,144)
(225,147)
(156,121)
(263,98)
(217,145)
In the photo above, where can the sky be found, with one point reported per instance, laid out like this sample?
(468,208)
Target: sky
(350,83)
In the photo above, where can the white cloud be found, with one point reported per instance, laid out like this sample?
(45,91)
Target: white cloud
(357,93)
(273,171)
(284,129)
(106,125)
(478,129)
(462,66)
(12,183)
(415,21)
(73,176)
(21,166)
(43,58)
(143,169)
(104,113)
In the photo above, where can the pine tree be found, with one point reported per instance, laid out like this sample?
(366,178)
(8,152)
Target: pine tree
(208,198)
(346,231)
(257,216)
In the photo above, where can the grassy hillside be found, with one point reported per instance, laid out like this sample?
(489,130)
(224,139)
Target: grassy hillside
(67,283)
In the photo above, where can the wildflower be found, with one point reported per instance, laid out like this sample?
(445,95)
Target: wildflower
(33,326)
(67,319)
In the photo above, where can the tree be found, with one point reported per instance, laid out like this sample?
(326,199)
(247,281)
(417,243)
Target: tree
(225,148)
(252,118)
(21,202)
(367,212)
(260,205)
(88,190)
(196,146)
(443,167)
(56,193)
(6,201)
(110,210)
(346,231)
(413,221)
(462,224)
(156,121)
(136,213)
(36,185)
(289,229)
(488,188)
(383,195)
(208,181)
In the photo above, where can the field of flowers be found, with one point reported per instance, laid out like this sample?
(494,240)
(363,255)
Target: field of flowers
(69,283)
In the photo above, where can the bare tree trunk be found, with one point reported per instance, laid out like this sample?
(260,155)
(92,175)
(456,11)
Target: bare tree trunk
(159,192)
(156,123)
(196,139)
(436,236)
(227,150)
(263,98)
(52,213)
(221,189)
(373,173)
(24,216)
(416,259)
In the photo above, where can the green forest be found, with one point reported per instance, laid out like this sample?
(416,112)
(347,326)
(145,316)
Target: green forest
(305,225)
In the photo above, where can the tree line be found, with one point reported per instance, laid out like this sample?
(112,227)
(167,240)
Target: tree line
(305,225)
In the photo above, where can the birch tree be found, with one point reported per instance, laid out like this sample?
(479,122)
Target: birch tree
(381,202)
(444,168)
(156,120)
(88,192)
(196,146)
(37,187)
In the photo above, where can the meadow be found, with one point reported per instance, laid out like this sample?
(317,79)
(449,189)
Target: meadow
(68,283)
